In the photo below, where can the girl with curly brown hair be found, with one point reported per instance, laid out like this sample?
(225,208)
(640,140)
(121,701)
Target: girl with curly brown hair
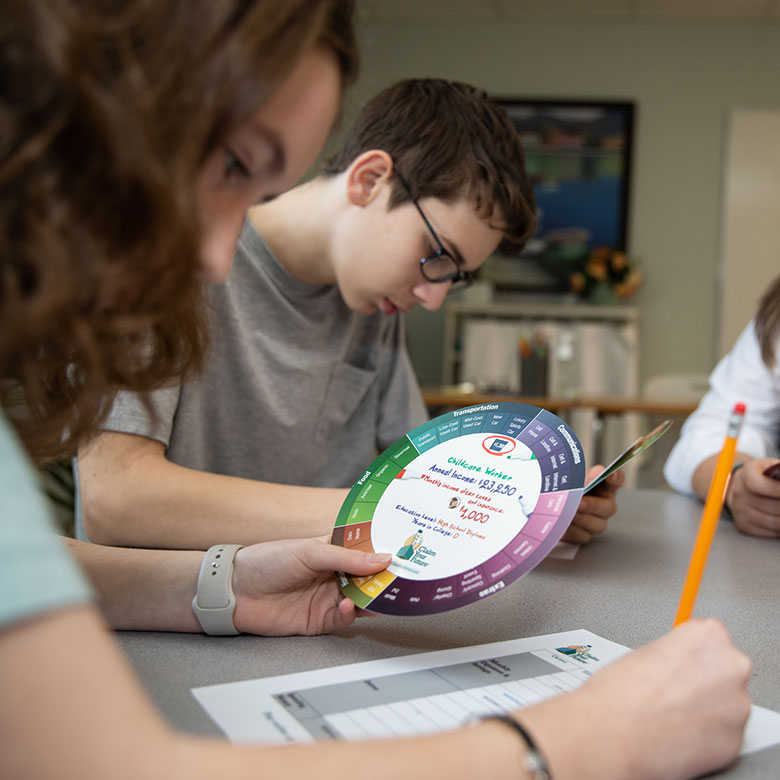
(134,135)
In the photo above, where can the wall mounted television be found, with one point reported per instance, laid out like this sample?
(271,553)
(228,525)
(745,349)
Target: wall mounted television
(578,154)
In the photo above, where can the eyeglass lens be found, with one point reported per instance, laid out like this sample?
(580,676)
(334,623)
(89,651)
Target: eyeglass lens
(440,268)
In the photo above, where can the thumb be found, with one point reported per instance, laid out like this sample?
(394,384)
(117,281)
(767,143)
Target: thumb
(593,472)
(330,557)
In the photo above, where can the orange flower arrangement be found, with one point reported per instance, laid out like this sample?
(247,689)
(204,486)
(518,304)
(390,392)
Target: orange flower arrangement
(606,268)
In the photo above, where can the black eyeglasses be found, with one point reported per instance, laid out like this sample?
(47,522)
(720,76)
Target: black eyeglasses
(440,266)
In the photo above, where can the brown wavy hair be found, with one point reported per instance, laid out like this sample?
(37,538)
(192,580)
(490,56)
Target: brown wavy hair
(768,322)
(448,140)
(108,108)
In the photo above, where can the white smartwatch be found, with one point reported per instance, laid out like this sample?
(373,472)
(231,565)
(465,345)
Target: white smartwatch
(214,600)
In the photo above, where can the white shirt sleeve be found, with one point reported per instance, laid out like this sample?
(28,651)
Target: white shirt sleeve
(740,376)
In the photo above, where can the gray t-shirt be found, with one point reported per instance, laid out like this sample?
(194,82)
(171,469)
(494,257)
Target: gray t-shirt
(298,388)
(37,574)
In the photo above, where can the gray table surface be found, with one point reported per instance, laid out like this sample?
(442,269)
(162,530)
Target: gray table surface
(624,586)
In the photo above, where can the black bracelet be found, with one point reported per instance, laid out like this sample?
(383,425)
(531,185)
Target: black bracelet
(727,510)
(534,761)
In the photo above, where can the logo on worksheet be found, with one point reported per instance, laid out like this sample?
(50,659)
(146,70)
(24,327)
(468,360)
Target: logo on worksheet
(579,653)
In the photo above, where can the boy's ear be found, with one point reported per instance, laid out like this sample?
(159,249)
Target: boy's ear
(367,175)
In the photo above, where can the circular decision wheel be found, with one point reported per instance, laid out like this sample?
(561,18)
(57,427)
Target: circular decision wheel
(467,503)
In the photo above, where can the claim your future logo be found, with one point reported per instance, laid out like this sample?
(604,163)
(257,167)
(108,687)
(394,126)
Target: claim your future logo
(579,653)
(409,547)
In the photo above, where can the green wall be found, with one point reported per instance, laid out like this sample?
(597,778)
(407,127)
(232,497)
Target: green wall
(683,77)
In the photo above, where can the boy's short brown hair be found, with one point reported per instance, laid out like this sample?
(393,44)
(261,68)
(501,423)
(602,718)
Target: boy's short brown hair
(448,140)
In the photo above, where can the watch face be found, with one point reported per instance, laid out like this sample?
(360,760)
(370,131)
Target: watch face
(466,503)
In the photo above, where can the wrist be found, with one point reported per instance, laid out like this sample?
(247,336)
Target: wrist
(729,485)
(533,763)
(214,602)
(575,743)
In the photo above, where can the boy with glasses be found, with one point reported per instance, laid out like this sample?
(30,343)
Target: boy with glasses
(309,376)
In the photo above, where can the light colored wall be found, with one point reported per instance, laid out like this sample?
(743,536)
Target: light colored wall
(683,78)
(751,229)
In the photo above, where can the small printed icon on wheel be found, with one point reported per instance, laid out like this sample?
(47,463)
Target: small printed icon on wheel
(410,545)
(498,445)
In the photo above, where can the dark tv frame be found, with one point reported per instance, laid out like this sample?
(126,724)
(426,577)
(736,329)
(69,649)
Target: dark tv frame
(627,110)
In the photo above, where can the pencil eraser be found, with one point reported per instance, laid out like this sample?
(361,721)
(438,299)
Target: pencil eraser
(739,408)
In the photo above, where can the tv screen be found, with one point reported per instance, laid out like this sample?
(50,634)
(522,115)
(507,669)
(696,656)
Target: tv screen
(578,155)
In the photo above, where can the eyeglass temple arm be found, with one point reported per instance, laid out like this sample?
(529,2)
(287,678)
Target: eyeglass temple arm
(422,214)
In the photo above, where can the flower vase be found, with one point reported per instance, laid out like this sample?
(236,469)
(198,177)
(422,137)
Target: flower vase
(602,294)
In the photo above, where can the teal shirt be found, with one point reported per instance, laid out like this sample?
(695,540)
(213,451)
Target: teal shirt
(37,574)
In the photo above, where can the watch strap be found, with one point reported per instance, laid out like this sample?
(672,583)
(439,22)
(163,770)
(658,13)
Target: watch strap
(214,601)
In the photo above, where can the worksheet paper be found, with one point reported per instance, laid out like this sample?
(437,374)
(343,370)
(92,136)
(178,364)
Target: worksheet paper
(422,693)
(564,551)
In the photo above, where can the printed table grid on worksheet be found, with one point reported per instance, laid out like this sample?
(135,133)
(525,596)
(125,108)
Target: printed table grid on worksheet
(423,692)
(430,700)
(411,694)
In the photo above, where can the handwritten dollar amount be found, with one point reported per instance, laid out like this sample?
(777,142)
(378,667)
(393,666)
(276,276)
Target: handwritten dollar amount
(492,486)
(477,517)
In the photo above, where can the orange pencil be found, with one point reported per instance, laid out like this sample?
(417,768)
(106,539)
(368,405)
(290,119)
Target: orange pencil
(709,517)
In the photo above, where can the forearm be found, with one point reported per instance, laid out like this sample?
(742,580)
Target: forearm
(487,750)
(702,476)
(66,688)
(180,508)
(752,496)
(133,496)
(149,590)
(74,711)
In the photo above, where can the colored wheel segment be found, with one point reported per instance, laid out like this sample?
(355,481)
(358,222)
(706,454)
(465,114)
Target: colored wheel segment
(466,503)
